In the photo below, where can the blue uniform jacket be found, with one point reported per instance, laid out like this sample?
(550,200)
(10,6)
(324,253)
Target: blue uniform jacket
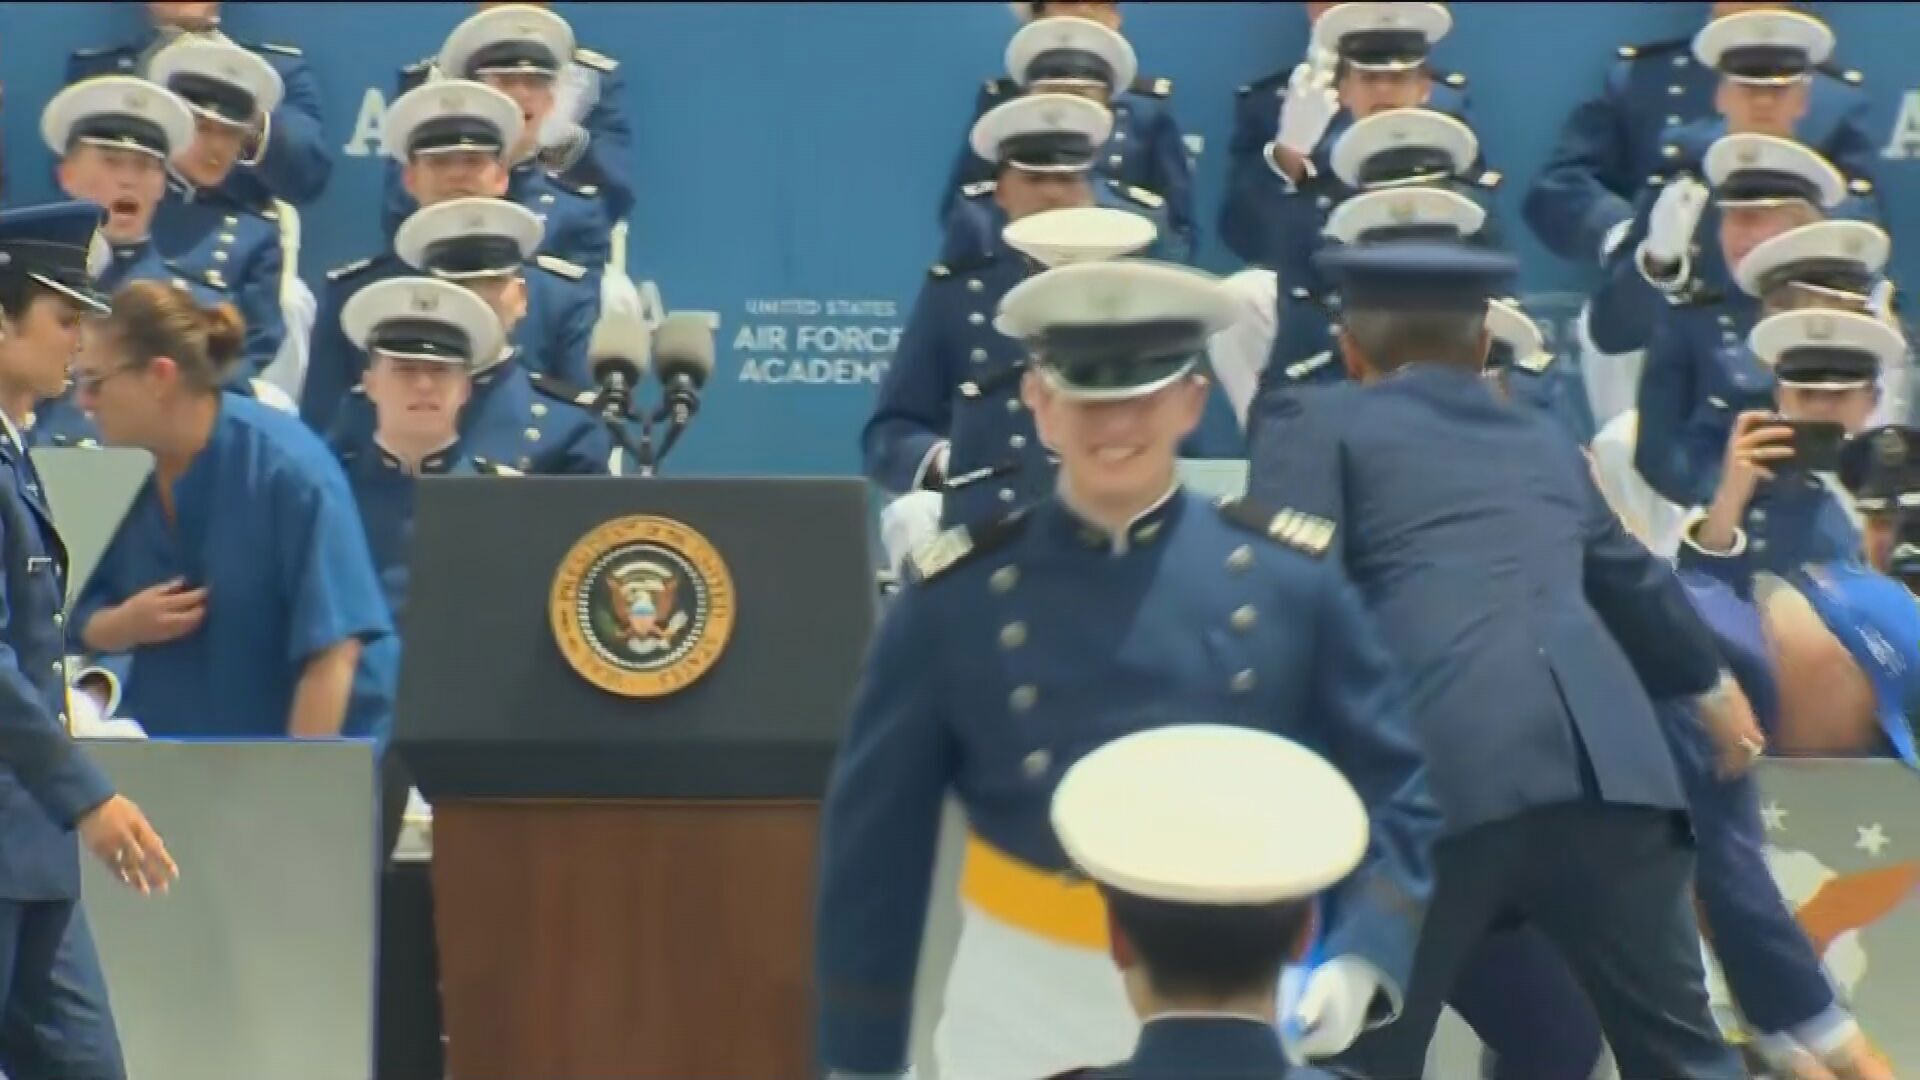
(1196,1047)
(294,161)
(606,164)
(1146,151)
(225,253)
(1611,143)
(563,303)
(263,519)
(46,783)
(992,675)
(975,219)
(1699,376)
(384,492)
(1255,218)
(1530,626)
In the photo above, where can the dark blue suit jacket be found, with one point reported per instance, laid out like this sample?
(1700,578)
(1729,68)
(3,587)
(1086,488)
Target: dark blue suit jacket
(1208,1048)
(1518,607)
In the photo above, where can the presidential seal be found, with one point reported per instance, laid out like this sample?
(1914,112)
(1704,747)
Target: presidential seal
(642,607)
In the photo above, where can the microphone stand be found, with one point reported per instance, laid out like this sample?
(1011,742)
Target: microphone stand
(614,414)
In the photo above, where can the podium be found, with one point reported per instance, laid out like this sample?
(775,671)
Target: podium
(622,697)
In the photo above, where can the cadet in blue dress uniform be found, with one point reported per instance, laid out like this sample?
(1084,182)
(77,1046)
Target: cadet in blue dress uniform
(239,580)
(1253,216)
(1533,630)
(1078,44)
(1579,203)
(54,1017)
(287,155)
(948,417)
(586,140)
(1525,371)
(1120,603)
(1881,470)
(423,337)
(516,416)
(1204,930)
(1699,373)
(454,138)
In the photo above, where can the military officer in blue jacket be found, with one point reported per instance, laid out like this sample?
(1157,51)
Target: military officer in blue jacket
(54,1017)
(1579,203)
(1146,151)
(1699,373)
(1533,631)
(517,415)
(573,100)
(948,417)
(1202,932)
(453,138)
(1118,603)
(1253,215)
(286,153)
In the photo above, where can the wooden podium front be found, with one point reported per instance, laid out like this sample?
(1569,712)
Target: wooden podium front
(634,940)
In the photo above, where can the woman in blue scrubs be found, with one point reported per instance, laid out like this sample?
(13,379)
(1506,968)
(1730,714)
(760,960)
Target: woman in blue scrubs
(239,582)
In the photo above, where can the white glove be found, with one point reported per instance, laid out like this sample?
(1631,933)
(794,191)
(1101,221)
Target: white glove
(908,522)
(1332,1011)
(1310,107)
(1676,216)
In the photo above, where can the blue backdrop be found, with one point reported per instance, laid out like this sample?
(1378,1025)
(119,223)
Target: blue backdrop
(789,155)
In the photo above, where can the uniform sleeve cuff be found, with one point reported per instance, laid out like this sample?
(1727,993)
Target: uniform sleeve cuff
(1691,526)
(1669,284)
(1306,162)
(1388,998)
(109,685)
(936,455)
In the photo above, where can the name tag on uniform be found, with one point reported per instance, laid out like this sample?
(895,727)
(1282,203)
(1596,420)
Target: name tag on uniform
(37,563)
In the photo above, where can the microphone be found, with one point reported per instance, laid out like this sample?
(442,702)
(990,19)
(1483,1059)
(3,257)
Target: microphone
(683,359)
(618,354)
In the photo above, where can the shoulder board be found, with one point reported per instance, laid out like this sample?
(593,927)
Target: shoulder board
(598,61)
(554,388)
(1537,363)
(490,468)
(1304,533)
(977,189)
(419,67)
(96,51)
(1652,48)
(349,269)
(274,47)
(1152,87)
(1489,179)
(1278,78)
(554,264)
(1001,87)
(960,544)
(1303,368)
(1138,194)
(1860,185)
(585,191)
(1850,76)
(939,270)
(1454,79)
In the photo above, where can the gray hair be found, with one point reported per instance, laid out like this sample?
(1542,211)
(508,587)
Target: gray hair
(1390,340)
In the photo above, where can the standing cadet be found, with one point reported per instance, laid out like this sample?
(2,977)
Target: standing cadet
(1147,150)
(54,1017)
(1120,603)
(586,139)
(1527,622)
(453,137)
(285,153)
(1201,929)
(948,417)
(521,51)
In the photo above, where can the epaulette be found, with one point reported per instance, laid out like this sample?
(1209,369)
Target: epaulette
(1304,533)
(939,270)
(1859,185)
(275,47)
(420,66)
(559,390)
(1454,79)
(490,468)
(961,544)
(1535,364)
(598,61)
(1300,369)
(1488,179)
(976,189)
(1152,87)
(1138,194)
(340,272)
(1654,48)
(1850,76)
(1001,87)
(554,264)
(1278,78)
(95,51)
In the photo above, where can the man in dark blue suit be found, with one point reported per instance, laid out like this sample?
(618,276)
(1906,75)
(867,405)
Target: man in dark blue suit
(1200,931)
(1532,630)
(54,1017)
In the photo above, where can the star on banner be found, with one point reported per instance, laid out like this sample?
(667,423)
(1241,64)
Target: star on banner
(1774,816)
(1873,840)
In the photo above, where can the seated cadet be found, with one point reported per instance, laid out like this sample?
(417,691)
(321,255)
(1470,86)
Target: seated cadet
(1051,57)
(586,139)
(516,415)
(1767,62)
(520,51)
(1580,202)
(1117,604)
(239,580)
(1252,215)
(948,416)
(285,154)
(1778,496)
(224,250)
(1147,150)
(423,337)
(453,139)
(1699,371)
(1209,845)
(1375,159)
(1881,470)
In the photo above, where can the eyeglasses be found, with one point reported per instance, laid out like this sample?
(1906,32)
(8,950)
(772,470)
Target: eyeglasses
(89,382)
